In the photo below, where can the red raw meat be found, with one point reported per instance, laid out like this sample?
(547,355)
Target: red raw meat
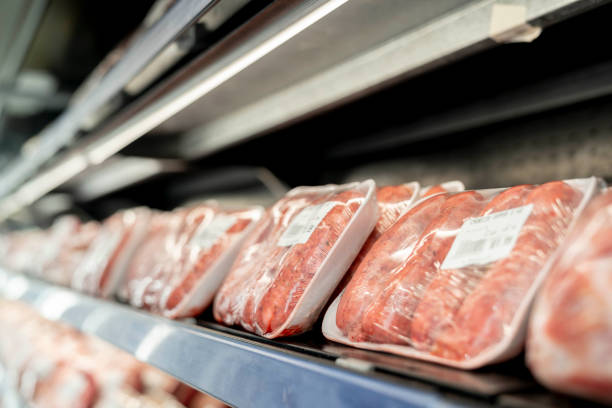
(449,289)
(152,258)
(393,201)
(103,266)
(375,271)
(490,308)
(197,261)
(65,387)
(268,280)
(569,346)
(72,244)
(437,189)
(400,301)
(388,318)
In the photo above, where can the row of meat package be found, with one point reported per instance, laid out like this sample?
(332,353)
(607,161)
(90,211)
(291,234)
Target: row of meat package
(437,273)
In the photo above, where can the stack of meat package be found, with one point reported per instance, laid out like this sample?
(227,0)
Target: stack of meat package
(451,281)
(53,365)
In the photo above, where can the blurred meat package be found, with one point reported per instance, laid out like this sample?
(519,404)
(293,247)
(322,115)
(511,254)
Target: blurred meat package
(103,267)
(185,257)
(16,249)
(295,258)
(67,244)
(451,281)
(569,345)
(53,365)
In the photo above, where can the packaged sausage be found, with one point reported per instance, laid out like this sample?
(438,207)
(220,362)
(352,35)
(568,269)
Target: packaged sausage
(67,246)
(152,257)
(393,202)
(185,258)
(56,236)
(295,257)
(103,266)
(19,246)
(211,239)
(452,280)
(569,344)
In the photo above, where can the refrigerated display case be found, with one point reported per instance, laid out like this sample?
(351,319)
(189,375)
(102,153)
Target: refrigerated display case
(239,101)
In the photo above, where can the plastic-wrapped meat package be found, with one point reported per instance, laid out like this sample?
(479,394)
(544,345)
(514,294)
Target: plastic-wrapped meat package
(60,232)
(103,267)
(18,249)
(152,258)
(192,250)
(210,241)
(64,386)
(393,201)
(569,345)
(36,369)
(295,257)
(451,281)
(72,248)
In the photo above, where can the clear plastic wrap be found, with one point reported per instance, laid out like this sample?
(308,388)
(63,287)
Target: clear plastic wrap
(295,257)
(103,266)
(569,344)
(60,232)
(152,258)
(185,258)
(393,201)
(72,247)
(452,279)
(212,238)
(19,246)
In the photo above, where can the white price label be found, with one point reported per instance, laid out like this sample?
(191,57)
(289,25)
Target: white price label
(303,224)
(486,239)
(208,234)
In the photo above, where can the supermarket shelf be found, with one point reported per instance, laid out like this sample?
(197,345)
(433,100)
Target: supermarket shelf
(322,53)
(239,371)
(246,370)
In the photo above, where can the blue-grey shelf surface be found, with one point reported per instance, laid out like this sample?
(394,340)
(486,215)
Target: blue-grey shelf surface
(236,370)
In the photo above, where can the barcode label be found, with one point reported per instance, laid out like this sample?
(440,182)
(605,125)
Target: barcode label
(208,234)
(487,239)
(303,224)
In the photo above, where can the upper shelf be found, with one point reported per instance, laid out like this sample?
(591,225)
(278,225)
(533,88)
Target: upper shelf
(293,59)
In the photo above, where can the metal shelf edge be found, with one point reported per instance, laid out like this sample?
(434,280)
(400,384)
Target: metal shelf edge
(235,370)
